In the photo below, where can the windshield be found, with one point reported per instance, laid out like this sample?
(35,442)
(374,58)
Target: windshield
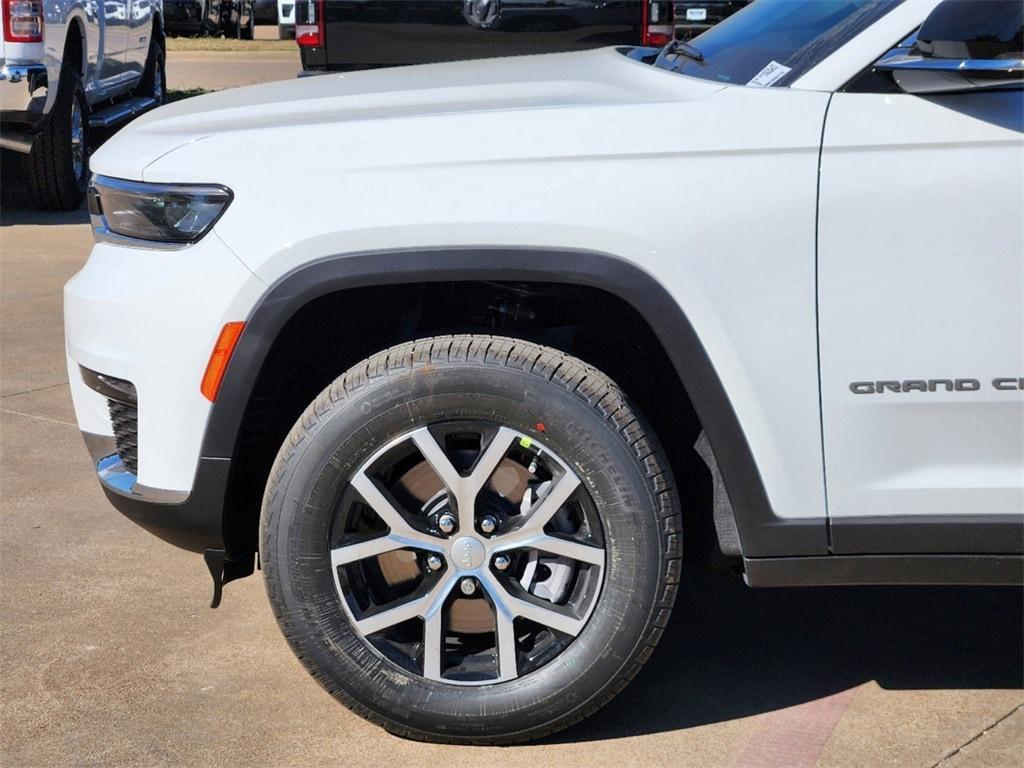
(773,42)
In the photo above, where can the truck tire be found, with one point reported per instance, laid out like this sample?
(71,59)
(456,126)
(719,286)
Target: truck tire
(154,77)
(513,630)
(233,28)
(249,30)
(58,165)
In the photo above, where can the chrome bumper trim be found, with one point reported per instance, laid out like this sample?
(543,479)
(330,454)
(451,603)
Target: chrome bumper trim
(115,476)
(21,85)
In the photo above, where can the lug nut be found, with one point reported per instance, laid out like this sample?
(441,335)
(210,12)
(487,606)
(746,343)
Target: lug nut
(434,562)
(446,523)
(501,562)
(488,524)
(468,586)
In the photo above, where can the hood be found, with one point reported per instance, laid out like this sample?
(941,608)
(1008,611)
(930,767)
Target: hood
(603,77)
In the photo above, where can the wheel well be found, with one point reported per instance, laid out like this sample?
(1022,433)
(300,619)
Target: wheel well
(330,334)
(74,45)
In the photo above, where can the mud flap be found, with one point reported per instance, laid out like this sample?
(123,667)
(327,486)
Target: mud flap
(725,519)
(224,569)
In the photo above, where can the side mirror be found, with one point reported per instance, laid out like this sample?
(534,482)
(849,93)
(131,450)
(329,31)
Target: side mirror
(963,45)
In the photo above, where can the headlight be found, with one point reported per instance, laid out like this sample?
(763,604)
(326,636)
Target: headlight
(172,214)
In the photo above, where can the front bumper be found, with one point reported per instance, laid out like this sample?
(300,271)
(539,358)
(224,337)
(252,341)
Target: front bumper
(191,520)
(151,318)
(23,88)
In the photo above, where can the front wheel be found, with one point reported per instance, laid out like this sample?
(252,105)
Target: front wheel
(471,539)
(249,30)
(154,78)
(58,165)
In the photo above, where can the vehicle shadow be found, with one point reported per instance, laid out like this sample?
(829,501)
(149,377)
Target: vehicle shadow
(730,651)
(16,206)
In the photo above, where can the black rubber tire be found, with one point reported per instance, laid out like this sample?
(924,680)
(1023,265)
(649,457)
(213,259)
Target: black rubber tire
(49,166)
(249,30)
(156,61)
(206,29)
(587,421)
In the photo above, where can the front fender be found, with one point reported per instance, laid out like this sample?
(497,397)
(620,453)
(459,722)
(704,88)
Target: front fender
(761,532)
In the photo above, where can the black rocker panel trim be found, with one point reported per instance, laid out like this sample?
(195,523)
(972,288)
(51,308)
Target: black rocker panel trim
(761,532)
(955,534)
(859,570)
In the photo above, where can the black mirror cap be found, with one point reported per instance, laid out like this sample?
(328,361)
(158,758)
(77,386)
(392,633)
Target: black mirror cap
(973,29)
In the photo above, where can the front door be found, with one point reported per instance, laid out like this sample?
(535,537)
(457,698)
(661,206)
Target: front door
(140,29)
(115,42)
(921,287)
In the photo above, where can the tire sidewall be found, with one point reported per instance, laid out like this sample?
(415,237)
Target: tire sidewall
(339,438)
(249,31)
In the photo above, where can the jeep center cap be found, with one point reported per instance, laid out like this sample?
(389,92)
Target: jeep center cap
(468,553)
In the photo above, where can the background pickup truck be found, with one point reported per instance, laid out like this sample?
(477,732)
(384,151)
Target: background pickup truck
(66,67)
(362,34)
(231,18)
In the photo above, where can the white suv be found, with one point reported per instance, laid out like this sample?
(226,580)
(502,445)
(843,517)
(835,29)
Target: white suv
(466,362)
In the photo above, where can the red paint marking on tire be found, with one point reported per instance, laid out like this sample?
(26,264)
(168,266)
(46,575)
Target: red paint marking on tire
(794,737)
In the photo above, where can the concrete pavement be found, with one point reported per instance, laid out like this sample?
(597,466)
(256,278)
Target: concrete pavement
(109,655)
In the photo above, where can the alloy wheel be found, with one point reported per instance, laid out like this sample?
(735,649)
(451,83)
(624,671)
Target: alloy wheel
(77,139)
(467,553)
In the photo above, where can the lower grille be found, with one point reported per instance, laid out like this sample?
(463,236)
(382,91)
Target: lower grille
(125,420)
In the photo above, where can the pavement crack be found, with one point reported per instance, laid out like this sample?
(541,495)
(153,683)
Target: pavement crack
(34,416)
(36,389)
(977,736)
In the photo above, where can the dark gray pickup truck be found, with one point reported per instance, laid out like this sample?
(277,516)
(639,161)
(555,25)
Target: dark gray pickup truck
(362,34)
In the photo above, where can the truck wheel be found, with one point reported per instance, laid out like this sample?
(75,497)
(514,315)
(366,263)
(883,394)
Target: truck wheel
(154,78)
(233,29)
(249,30)
(58,165)
(285,32)
(471,539)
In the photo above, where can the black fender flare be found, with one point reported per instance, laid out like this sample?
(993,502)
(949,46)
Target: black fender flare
(761,532)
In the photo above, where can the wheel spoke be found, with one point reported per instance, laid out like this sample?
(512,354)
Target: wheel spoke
(379,503)
(557,494)
(433,645)
(464,488)
(489,459)
(418,607)
(514,606)
(574,550)
(437,459)
(505,638)
(350,553)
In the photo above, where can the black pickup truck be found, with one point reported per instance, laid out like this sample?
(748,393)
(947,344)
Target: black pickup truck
(362,34)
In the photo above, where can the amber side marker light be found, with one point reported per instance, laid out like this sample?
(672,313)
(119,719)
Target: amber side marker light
(219,359)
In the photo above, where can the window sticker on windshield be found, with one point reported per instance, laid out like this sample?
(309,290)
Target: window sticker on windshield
(770,74)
